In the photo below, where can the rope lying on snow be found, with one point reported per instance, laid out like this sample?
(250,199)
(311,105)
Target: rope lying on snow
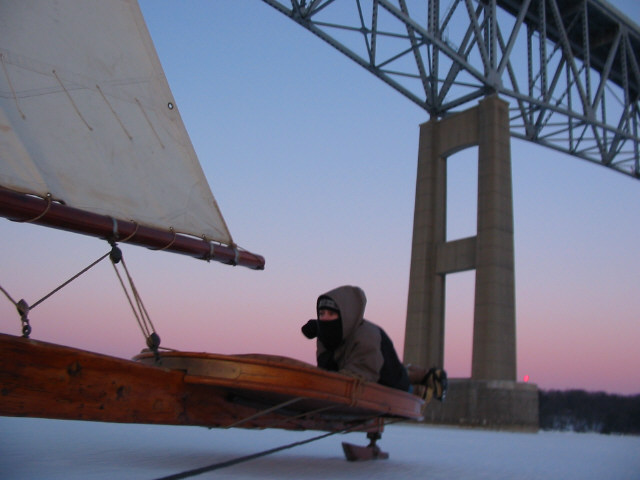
(246,458)
(235,461)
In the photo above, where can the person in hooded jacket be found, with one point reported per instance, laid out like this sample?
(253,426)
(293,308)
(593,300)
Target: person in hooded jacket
(350,344)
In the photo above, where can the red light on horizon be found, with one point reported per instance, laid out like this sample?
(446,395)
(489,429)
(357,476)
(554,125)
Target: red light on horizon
(526,378)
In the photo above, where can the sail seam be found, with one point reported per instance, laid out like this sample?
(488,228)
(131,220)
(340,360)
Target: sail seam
(71,100)
(13,91)
(149,122)
(114,112)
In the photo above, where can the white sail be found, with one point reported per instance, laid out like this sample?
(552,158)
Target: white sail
(86,115)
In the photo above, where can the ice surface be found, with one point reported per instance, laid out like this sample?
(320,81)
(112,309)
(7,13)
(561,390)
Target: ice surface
(52,449)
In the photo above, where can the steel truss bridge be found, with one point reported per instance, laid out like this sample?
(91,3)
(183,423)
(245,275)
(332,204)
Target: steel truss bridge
(570,69)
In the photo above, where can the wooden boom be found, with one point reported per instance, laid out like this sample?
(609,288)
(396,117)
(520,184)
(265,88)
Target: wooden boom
(21,207)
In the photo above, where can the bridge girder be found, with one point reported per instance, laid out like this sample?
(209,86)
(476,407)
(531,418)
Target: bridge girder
(570,69)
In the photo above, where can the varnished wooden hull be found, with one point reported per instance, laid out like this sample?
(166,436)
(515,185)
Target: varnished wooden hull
(39,379)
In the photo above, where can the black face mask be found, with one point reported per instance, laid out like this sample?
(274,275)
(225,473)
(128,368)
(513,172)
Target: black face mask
(330,333)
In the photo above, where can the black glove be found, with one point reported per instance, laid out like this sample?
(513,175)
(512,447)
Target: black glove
(310,329)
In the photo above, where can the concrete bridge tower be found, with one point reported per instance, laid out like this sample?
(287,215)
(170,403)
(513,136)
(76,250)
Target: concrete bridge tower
(491,396)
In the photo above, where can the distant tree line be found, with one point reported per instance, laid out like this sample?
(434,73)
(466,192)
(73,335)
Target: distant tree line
(580,411)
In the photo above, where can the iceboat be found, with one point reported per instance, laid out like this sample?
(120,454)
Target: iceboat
(92,142)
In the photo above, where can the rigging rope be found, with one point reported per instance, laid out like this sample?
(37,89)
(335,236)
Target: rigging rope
(264,412)
(15,304)
(68,281)
(24,308)
(139,310)
(141,314)
(303,414)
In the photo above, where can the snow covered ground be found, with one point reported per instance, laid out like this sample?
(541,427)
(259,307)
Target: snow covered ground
(51,449)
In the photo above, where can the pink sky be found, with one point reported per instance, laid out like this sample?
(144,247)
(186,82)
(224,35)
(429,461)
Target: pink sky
(312,161)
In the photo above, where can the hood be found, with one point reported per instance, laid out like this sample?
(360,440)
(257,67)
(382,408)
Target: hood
(351,301)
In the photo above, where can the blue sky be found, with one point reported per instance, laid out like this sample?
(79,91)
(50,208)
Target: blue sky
(313,161)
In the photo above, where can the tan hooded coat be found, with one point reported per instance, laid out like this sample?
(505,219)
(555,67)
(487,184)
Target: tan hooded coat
(362,352)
